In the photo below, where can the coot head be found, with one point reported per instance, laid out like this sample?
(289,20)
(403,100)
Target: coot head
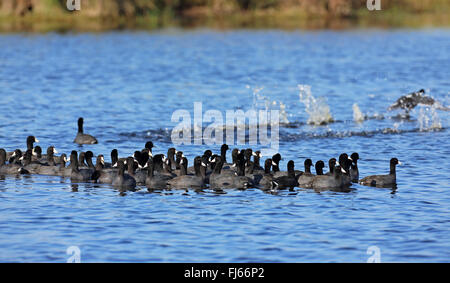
(30,141)
(267,165)
(319,167)
(342,158)
(354,157)
(394,161)
(332,164)
(308,163)
(208,153)
(149,145)
(37,151)
(114,157)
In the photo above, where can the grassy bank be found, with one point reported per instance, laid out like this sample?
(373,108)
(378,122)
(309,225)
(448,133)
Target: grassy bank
(99,15)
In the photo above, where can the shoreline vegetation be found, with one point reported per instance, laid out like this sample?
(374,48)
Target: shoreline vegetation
(104,15)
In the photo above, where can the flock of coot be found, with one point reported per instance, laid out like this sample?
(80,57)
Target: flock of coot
(172,171)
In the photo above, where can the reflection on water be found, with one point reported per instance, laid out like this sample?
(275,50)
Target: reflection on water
(127,85)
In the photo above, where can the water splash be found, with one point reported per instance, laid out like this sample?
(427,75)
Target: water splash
(429,119)
(358,116)
(317,108)
(261,102)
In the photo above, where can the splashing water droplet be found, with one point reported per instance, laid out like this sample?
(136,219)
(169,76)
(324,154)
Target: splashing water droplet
(358,116)
(261,102)
(317,109)
(429,119)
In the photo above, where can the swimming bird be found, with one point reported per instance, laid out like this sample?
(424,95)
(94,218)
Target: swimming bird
(9,169)
(328,182)
(50,157)
(223,153)
(15,157)
(383,180)
(185,181)
(30,142)
(36,153)
(319,167)
(232,165)
(63,170)
(354,171)
(123,181)
(306,178)
(331,166)
(102,174)
(149,145)
(79,175)
(266,181)
(238,180)
(30,145)
(345,163)
(154,180)
(50,167)
(171,156)
(31,166)
(411,100)
(276,164)
(289,181)
(83,138)
(138,174)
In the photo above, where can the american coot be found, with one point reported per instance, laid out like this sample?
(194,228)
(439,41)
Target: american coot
(216,180)
(30,142)
(289,181)
(149,145)
(155,180)
(79,175)
(266,181)
(123,181)
(238,180)
(171,156)
(50,168)
(232,165)
(36,154)
(276,165)
(63,170)
(230,181)
(319,167)
(345,164)
(103,175)
(179,157)
(382,180)
(334,181)
(256,160)
(31,166)
(145,155)
(306,178)
(185,181)
(83,138)
(223,153)
(9,169)
(85,160)
(139,175)
(50,157)
(15,157)
(331,166)
(354,171)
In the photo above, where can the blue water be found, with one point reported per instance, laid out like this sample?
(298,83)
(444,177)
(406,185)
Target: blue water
(127,85)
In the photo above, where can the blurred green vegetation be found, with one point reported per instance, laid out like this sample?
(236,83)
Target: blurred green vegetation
(43,15)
